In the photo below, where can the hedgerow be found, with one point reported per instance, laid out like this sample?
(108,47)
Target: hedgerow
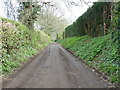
(18,43)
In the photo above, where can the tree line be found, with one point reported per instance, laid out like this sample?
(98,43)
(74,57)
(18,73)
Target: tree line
(98,20)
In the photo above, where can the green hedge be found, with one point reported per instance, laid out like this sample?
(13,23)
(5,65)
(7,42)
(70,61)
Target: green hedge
(18,43)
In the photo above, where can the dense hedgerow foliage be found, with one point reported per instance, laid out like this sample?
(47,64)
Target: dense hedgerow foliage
(103,51)
(18,43)
(94,22)
(100,53)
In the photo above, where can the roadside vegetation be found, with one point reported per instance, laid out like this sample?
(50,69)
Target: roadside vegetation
(95,38)
(99,53)
(18,44)
(23,39)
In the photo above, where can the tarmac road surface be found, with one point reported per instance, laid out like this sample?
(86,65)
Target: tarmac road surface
(55,67)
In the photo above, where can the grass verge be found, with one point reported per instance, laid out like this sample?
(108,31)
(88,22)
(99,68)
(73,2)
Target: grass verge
(100,53)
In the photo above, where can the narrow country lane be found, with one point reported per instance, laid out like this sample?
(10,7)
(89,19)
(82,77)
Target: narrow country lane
(55,68)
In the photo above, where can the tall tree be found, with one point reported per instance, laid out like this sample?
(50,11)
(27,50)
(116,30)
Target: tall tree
(10,9)
(94,22)
(28,13)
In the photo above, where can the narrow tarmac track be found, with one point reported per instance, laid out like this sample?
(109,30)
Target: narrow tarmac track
(55,67)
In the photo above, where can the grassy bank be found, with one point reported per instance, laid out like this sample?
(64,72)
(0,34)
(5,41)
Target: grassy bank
(18,43)
(100,53)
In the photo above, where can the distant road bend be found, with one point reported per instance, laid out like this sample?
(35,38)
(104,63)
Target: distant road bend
(55,67)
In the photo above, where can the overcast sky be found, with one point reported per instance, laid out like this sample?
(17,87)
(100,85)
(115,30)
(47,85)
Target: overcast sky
(71,13)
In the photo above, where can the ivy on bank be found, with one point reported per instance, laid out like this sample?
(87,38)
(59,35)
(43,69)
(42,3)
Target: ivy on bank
(17,44)
(99,53)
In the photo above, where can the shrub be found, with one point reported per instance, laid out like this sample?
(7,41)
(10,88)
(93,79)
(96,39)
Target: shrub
(18,43)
